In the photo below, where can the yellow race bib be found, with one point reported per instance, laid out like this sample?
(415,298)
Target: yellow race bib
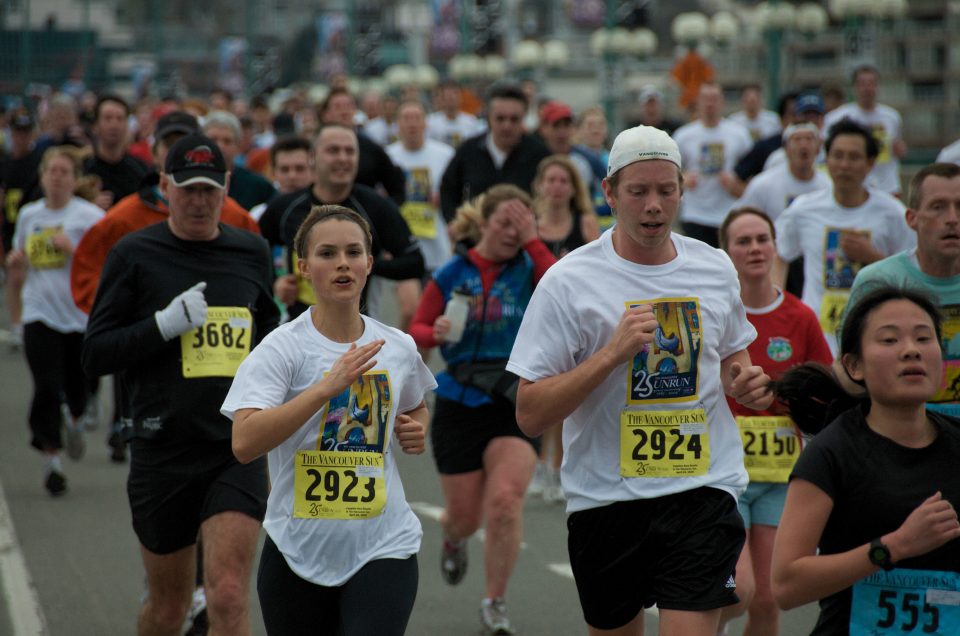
(338,485)
(422,219)
(880,134)
(305,293)
(664,443)
(831,310)
(770,447)
(40,250)
(216,348)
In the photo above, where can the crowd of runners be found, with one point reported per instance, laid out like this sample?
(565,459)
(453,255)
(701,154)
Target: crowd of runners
(727,344)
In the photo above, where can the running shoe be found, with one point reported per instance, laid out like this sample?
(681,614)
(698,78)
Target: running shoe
(197,623)
(90,419)
(539,481)
(493,615)
(552,492)
(76,445)
(453,560)
(55,483)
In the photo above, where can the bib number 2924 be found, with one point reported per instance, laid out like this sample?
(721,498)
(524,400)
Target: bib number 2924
(674,443)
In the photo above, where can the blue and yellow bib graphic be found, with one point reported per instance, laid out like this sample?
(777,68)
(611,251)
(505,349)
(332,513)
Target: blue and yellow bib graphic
(667,369)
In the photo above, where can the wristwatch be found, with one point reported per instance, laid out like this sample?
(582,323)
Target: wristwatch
(880,555)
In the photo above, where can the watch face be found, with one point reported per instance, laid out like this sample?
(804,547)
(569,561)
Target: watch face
(878,554)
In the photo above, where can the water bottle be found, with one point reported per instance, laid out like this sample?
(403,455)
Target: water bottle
(456,312)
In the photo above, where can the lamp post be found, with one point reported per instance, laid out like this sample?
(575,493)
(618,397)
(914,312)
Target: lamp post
(778,21)
(529,56)
(613,46)
(414,18)
(859,36)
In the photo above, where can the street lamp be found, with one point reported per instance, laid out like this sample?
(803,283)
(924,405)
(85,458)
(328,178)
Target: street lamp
(859,28)
(530,55)
(777,19)
(613,45)
(473,68)
(694,30)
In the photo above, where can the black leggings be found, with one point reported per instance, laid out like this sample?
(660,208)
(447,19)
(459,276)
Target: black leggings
(376,600)
(54,361)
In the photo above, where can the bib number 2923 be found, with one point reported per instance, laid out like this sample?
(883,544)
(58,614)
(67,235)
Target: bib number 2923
(338,485)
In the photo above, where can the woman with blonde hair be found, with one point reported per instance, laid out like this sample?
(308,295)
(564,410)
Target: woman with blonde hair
(47,232)
(565,221)
(565,218)
(484,459)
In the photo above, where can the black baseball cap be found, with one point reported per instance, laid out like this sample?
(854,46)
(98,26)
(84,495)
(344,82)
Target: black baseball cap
(176,121)
(196,159)
(22,121)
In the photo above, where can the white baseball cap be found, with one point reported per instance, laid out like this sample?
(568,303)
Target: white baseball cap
(643,143)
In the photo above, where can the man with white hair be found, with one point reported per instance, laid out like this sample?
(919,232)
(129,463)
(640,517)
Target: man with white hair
(647,333)
(246,187)
(181,303)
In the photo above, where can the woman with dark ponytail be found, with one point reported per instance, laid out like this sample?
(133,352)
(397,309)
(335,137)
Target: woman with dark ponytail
(869,527)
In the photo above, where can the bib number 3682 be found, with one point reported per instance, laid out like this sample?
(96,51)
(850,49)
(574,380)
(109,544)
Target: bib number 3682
(217,347)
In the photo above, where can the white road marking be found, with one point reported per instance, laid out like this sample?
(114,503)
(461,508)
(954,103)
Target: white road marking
(22,602)
(430,511)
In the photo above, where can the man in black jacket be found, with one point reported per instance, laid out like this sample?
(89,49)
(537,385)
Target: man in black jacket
(374,168)
(505,154)
(396,255)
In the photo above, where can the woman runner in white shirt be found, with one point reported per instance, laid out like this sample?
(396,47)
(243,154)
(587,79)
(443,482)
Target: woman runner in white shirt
(47,231)
(323,396)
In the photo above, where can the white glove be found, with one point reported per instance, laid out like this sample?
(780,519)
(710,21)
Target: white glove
(184,313)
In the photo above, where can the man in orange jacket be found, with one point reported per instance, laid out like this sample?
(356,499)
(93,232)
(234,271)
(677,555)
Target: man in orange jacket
(137,211)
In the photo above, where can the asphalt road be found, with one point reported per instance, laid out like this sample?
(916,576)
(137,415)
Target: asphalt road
(71,566)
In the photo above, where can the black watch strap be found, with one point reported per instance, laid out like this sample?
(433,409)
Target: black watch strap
(880,555)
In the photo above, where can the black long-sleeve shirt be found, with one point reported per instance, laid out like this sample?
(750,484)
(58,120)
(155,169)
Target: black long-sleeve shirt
(285,214)
(472,171)
(143,273)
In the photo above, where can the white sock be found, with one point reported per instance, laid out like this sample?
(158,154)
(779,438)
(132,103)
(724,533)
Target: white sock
(52,463)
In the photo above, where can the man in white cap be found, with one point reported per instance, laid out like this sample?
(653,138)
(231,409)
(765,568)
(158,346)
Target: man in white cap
(179,306)
(647,333)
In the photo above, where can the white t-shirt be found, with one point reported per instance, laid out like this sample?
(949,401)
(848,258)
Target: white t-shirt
(454,131)
(766,124)
(811,227)
(950,154)
(380,131)
(708,152)
(573,314)
(773,190)
(46,291)
(424,169)
(292,358)
(887,127)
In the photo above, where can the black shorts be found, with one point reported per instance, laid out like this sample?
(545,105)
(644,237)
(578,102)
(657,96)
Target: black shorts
(678,551)
(173,488)
(459,434)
